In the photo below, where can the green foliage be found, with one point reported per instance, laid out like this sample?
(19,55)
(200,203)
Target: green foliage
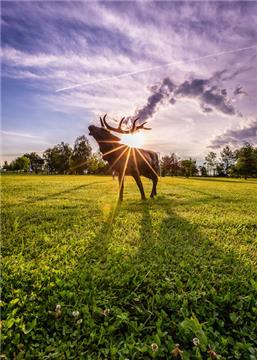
(6,166)
(36,162)
(189,167)
(85,278)
(246,164)
(80,155)
(170,165)
(211,162)
(96,164)
(173,166)
(227,158)
(203,171)
(20,164)
(58,158)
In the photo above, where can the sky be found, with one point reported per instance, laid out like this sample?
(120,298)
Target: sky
(187,68)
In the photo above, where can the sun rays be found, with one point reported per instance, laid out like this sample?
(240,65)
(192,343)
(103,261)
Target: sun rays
(146,161)
(113,150)
(127,148)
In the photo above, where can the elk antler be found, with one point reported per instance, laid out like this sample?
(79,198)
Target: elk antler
(101,121)
(119,130)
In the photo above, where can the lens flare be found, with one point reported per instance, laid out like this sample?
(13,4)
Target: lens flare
(133,140)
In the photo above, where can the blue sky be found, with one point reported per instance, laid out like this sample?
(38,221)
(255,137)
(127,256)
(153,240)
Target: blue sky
(194,105)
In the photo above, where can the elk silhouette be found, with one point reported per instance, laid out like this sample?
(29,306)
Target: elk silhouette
(123,159)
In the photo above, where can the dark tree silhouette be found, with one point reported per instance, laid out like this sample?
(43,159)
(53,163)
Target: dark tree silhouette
(227,158)
(189,167)
(80,155)
(246,164)
(36,162)
(170,165)
(203,170)
(210,161)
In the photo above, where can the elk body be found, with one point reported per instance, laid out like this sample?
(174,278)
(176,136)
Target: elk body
(125,160)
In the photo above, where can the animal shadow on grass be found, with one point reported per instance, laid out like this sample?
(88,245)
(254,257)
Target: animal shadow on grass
(175,272)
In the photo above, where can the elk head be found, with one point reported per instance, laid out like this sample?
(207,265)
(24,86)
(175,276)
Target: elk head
(103,133)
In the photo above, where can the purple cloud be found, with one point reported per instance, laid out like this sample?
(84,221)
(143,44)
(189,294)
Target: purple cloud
(237,137)
(238,91)
(209,96)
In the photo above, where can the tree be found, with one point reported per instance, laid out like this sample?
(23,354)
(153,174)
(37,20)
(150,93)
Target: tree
(246,164)
(219,169)
(203,171)
(96,164)
(6,166)
(36,162)
(58,158)
(170,165)
(227,158)
(165,165)
(20,164)
(211,162)
(80,155)
(189,167)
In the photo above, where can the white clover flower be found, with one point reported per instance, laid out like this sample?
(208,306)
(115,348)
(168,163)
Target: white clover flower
(75,313)
(154,347)
(58,312)
(196,341)
(105,312)
(79,321)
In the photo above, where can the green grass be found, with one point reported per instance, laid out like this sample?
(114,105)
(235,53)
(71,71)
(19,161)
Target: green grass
(162,271)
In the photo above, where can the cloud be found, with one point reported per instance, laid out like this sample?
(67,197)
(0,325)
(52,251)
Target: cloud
(217,99)
(238,91)
(16,134)
(236,137)
(160,93)
(209,95)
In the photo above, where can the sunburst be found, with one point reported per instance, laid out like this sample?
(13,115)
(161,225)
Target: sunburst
(113,150)
(133,140)
(150,166)
(118,158)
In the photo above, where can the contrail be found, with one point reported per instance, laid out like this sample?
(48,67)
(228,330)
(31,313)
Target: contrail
(153,68)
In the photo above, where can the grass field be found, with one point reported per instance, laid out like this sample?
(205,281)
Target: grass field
(128,276)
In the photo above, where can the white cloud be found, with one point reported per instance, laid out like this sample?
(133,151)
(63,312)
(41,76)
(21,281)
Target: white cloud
(17,134)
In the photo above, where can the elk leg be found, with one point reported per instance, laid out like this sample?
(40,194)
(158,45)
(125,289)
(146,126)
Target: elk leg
(154,192)
(121,186)
(140,185)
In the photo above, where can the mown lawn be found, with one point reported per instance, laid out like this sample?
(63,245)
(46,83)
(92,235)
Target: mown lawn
(85,278)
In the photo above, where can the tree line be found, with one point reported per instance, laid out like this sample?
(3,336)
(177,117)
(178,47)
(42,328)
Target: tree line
(80,159)
(240,162)
(61,159)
